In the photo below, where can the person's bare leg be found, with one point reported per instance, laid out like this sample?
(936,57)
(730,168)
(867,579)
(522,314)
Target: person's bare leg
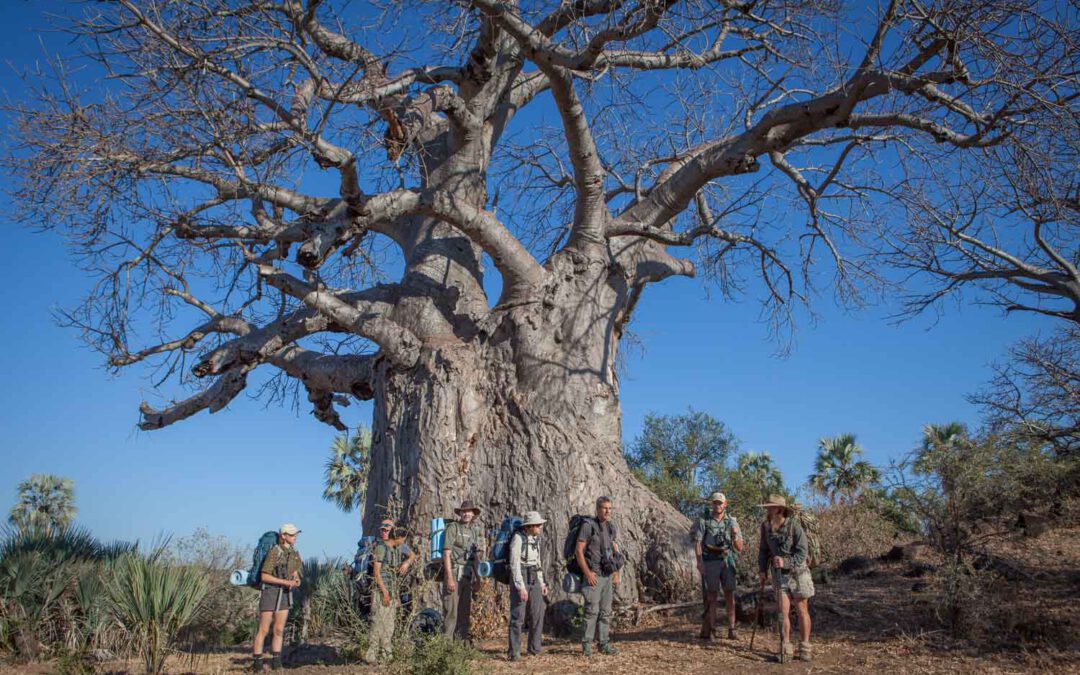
(802,606)
(265,618)
(785,609)
(280,618)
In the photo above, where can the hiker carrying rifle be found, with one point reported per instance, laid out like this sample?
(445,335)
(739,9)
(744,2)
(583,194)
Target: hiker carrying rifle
(782,555)
(717,539)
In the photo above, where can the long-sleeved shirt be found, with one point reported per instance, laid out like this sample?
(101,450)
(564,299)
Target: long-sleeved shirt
(525,552)
(788,542)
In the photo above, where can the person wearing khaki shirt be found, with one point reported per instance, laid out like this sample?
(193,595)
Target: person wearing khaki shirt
(462,548)
(279,575)
(391,560)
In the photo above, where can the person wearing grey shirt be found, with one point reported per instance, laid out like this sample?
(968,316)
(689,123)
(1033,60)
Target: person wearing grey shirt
(527,587)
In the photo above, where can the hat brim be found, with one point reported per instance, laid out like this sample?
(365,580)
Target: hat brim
(475,510)
(787,509)
(535,522)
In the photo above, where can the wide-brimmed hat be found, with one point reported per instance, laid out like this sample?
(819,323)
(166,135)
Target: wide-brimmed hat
(778,500)
(467,505)
(532,518)
(289,528)
(717,497)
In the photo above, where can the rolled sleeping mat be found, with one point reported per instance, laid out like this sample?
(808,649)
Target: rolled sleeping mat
(239,578)
(438,532)
(485,568)
(571,583)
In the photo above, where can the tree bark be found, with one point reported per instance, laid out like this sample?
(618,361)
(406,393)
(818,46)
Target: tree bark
(525,416)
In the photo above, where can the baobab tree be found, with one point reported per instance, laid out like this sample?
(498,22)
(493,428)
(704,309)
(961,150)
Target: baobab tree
(453,208)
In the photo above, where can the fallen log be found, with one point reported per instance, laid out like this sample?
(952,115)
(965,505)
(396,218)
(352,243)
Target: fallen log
(641,610)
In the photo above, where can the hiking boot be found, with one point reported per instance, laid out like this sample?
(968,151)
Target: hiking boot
(257,665)
(515,657)
(731,634)
(805,652)
(275,662)
(608,649)
(787,651)
(586,648)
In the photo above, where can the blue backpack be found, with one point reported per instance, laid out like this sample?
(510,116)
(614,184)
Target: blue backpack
(361,567)
(262,549)
(500,550)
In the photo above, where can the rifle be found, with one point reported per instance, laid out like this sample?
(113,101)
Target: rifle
(757,613)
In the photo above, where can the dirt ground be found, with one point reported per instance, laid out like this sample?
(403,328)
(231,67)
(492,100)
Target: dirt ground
(881,620)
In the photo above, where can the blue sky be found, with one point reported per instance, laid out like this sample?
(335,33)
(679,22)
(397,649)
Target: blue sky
(251,467)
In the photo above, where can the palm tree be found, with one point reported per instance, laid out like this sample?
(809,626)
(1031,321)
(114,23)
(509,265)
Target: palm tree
(347,471)
(46,504)
(758,469)
(939,441)
(838,471)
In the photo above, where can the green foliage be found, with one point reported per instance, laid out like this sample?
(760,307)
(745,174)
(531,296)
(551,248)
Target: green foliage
(46,504)
(331,602)
(676,456)
(316,574)
(955,483)
(754,477)
(153,601)
(51,586)
(347,471)
(434,655)
(839,474)
(227,610)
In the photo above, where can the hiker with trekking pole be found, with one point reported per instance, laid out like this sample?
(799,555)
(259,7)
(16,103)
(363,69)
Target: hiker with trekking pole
(783,556)
(278,573)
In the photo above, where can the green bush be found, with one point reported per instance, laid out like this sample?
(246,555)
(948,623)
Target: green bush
(153,601)
(52,591)
(435,655)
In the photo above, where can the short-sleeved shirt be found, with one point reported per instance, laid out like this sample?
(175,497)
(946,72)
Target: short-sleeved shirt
(788,542)
(717,537)
(282,561)
(592,535)
(390,559)
(464,542)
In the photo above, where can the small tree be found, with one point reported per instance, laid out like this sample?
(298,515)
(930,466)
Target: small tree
(838,472)
(46,504)
(347,471)
(675,455)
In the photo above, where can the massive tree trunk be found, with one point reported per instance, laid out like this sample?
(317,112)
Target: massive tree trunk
(525,416)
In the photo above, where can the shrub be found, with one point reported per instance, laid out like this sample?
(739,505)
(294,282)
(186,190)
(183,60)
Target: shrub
(435,655)
(153,601)
(50,583)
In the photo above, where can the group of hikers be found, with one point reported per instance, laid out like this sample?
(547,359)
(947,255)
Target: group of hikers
(593,561)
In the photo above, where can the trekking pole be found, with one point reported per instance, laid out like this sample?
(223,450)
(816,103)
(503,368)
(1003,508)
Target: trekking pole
(757,613)
(778,588)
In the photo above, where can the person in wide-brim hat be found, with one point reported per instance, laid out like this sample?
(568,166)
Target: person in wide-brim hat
(778,501)
(532,518)
(467,505)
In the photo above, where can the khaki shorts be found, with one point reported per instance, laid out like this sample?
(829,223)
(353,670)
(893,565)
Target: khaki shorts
(719,576)
(269,602)
(799,584)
